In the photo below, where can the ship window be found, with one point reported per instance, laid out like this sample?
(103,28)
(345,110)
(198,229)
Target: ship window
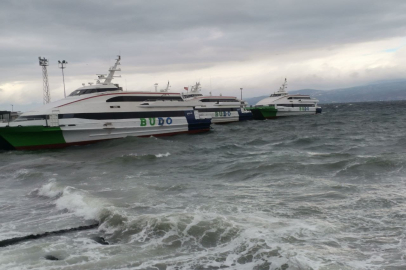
(31,118)
(303,105)
(89,91)
(122,115)
(142,98)
(218,100)
(192,95)
(217,109)
(296,105)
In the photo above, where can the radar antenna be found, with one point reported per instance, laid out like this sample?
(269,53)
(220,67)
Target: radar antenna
(47,94)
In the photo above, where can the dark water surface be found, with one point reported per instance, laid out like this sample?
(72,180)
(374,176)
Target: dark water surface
(313,192)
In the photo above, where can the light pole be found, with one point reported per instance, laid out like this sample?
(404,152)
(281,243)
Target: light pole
(62,65)
(241,93)
(12,107)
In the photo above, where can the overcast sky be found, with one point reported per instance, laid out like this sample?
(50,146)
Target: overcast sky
(223,44)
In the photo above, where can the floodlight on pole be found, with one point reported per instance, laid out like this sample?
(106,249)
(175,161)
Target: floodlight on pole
(47,94)
(62,65)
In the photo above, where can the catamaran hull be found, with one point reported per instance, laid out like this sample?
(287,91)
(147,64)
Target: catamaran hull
(269,112)
(244,115)
(262,113)
(225,117)
(45,137)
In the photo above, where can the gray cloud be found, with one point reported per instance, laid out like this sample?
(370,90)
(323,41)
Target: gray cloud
(167,35)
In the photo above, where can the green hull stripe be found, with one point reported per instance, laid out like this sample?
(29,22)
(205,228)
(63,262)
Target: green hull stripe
(263,112)
(32,136)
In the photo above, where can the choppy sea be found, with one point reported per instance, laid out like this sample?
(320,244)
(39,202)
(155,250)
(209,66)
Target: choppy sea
(312,192)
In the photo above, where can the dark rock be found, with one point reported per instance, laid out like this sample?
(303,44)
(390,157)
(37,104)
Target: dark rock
(100,240)
(51,258)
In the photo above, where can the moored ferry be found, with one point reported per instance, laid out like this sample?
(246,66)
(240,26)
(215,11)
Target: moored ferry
(281,103)
(101,111)
(221,109)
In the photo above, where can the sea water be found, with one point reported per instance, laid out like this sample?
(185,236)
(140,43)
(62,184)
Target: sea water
(311,192)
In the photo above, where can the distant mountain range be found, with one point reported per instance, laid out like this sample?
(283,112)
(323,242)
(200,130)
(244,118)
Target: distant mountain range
(374,92)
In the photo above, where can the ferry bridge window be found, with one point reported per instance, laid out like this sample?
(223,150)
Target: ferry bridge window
(89,91)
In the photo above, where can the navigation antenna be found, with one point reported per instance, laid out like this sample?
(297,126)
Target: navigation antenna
(47,94)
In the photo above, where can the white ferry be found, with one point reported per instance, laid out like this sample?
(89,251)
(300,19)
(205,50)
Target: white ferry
(281,103)
(221,109)
(101,111)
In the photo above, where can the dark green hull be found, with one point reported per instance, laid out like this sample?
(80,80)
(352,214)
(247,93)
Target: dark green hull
(263,112)
(31,137)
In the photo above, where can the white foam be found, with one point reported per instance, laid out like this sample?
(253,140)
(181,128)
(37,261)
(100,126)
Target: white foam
(163,155)
(50,190)
(316,154)
(80,203)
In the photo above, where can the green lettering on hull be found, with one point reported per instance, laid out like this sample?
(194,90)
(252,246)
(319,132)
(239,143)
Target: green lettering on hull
(20,137)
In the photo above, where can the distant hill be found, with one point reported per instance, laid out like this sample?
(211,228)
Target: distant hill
(374,92)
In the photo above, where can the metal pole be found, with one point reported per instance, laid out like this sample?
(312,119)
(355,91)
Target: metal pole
(63,78)
(62,65)
(241,93)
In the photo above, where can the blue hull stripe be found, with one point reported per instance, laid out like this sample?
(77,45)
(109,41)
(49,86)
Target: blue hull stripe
(196,124)
(244,116)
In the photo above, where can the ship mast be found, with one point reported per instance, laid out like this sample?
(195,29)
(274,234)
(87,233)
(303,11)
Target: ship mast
(283,87)
(112,70)
(196,88)
(282,90)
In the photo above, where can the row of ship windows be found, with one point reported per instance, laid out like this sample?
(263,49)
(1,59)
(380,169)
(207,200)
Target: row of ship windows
(152,98)
(122,115)
(217,109)
(119,115)
(142,98)
(298,97)
(296,105)
(218,100)
(103,116)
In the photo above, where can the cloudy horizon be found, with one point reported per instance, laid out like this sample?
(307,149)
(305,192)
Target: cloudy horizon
(223,44)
